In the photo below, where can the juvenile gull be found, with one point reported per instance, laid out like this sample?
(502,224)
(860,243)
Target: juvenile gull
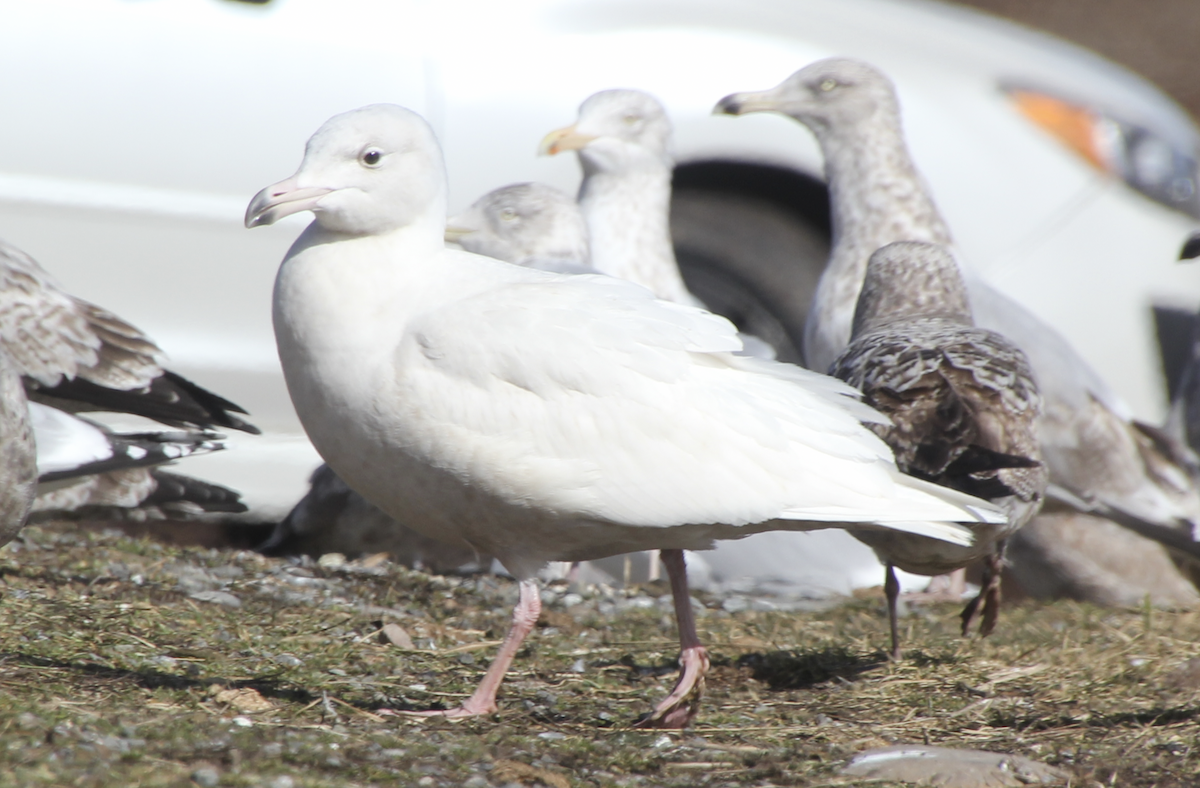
(73,357)
(963,407)
(1105,461)
(78,357)
(85,469)
(543,417)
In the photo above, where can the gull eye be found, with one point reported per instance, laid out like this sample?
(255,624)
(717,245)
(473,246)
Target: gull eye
(828,85)
(371,157)
(508,214)
(631,120)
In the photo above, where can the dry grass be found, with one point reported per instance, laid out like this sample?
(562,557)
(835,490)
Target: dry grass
(112,673)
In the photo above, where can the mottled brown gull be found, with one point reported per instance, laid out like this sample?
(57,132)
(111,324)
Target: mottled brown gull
(963,407)
(543,417)
(86,469)
(1095,451)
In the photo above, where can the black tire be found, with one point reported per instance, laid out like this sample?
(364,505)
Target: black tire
(750,260)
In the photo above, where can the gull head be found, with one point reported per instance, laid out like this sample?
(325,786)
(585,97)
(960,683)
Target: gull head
(615,129)
(365,172)
(911,279)
(829,95)
(522,223)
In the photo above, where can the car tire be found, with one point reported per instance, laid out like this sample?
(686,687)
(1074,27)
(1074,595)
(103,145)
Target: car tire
(752,261)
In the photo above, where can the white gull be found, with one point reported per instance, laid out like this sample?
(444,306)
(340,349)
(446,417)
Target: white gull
(543,417)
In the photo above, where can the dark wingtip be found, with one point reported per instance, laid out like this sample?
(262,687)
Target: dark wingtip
(1191,248)
(728,106)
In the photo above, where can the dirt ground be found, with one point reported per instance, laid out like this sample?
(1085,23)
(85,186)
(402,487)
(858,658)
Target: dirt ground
(130,662)
(1159,39)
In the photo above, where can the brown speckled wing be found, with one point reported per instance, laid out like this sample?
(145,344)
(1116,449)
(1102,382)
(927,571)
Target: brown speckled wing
(51,334)
(951,391)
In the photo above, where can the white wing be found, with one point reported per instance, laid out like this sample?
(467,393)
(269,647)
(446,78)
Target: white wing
(633,410)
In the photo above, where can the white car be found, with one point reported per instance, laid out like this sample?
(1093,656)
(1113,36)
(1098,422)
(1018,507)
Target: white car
(135,133)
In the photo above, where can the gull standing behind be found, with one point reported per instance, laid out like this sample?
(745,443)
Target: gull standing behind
(963,407)
(623,141)
(1106,463)
(543,417)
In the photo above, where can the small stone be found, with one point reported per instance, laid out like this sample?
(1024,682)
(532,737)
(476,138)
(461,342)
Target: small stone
(467,658)
(217,598)
(289,660)
(395,634)
(206,777)
(478,781)
(282,781)
(571,600)
(272,750)
(912,763)
(244,699)
(552,736)
(331,560)
(28,722)
(337,672)
(578,666)
(243,722)
(426,781)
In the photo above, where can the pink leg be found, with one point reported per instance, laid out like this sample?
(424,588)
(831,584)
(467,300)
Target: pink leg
(525,616)
(678,708)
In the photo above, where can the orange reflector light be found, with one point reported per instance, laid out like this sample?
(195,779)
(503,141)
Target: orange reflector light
(1075,126)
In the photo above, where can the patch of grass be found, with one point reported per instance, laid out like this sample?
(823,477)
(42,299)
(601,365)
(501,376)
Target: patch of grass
(121,663)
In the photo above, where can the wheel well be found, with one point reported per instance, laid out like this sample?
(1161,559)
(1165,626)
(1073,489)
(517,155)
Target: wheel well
(802,195)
